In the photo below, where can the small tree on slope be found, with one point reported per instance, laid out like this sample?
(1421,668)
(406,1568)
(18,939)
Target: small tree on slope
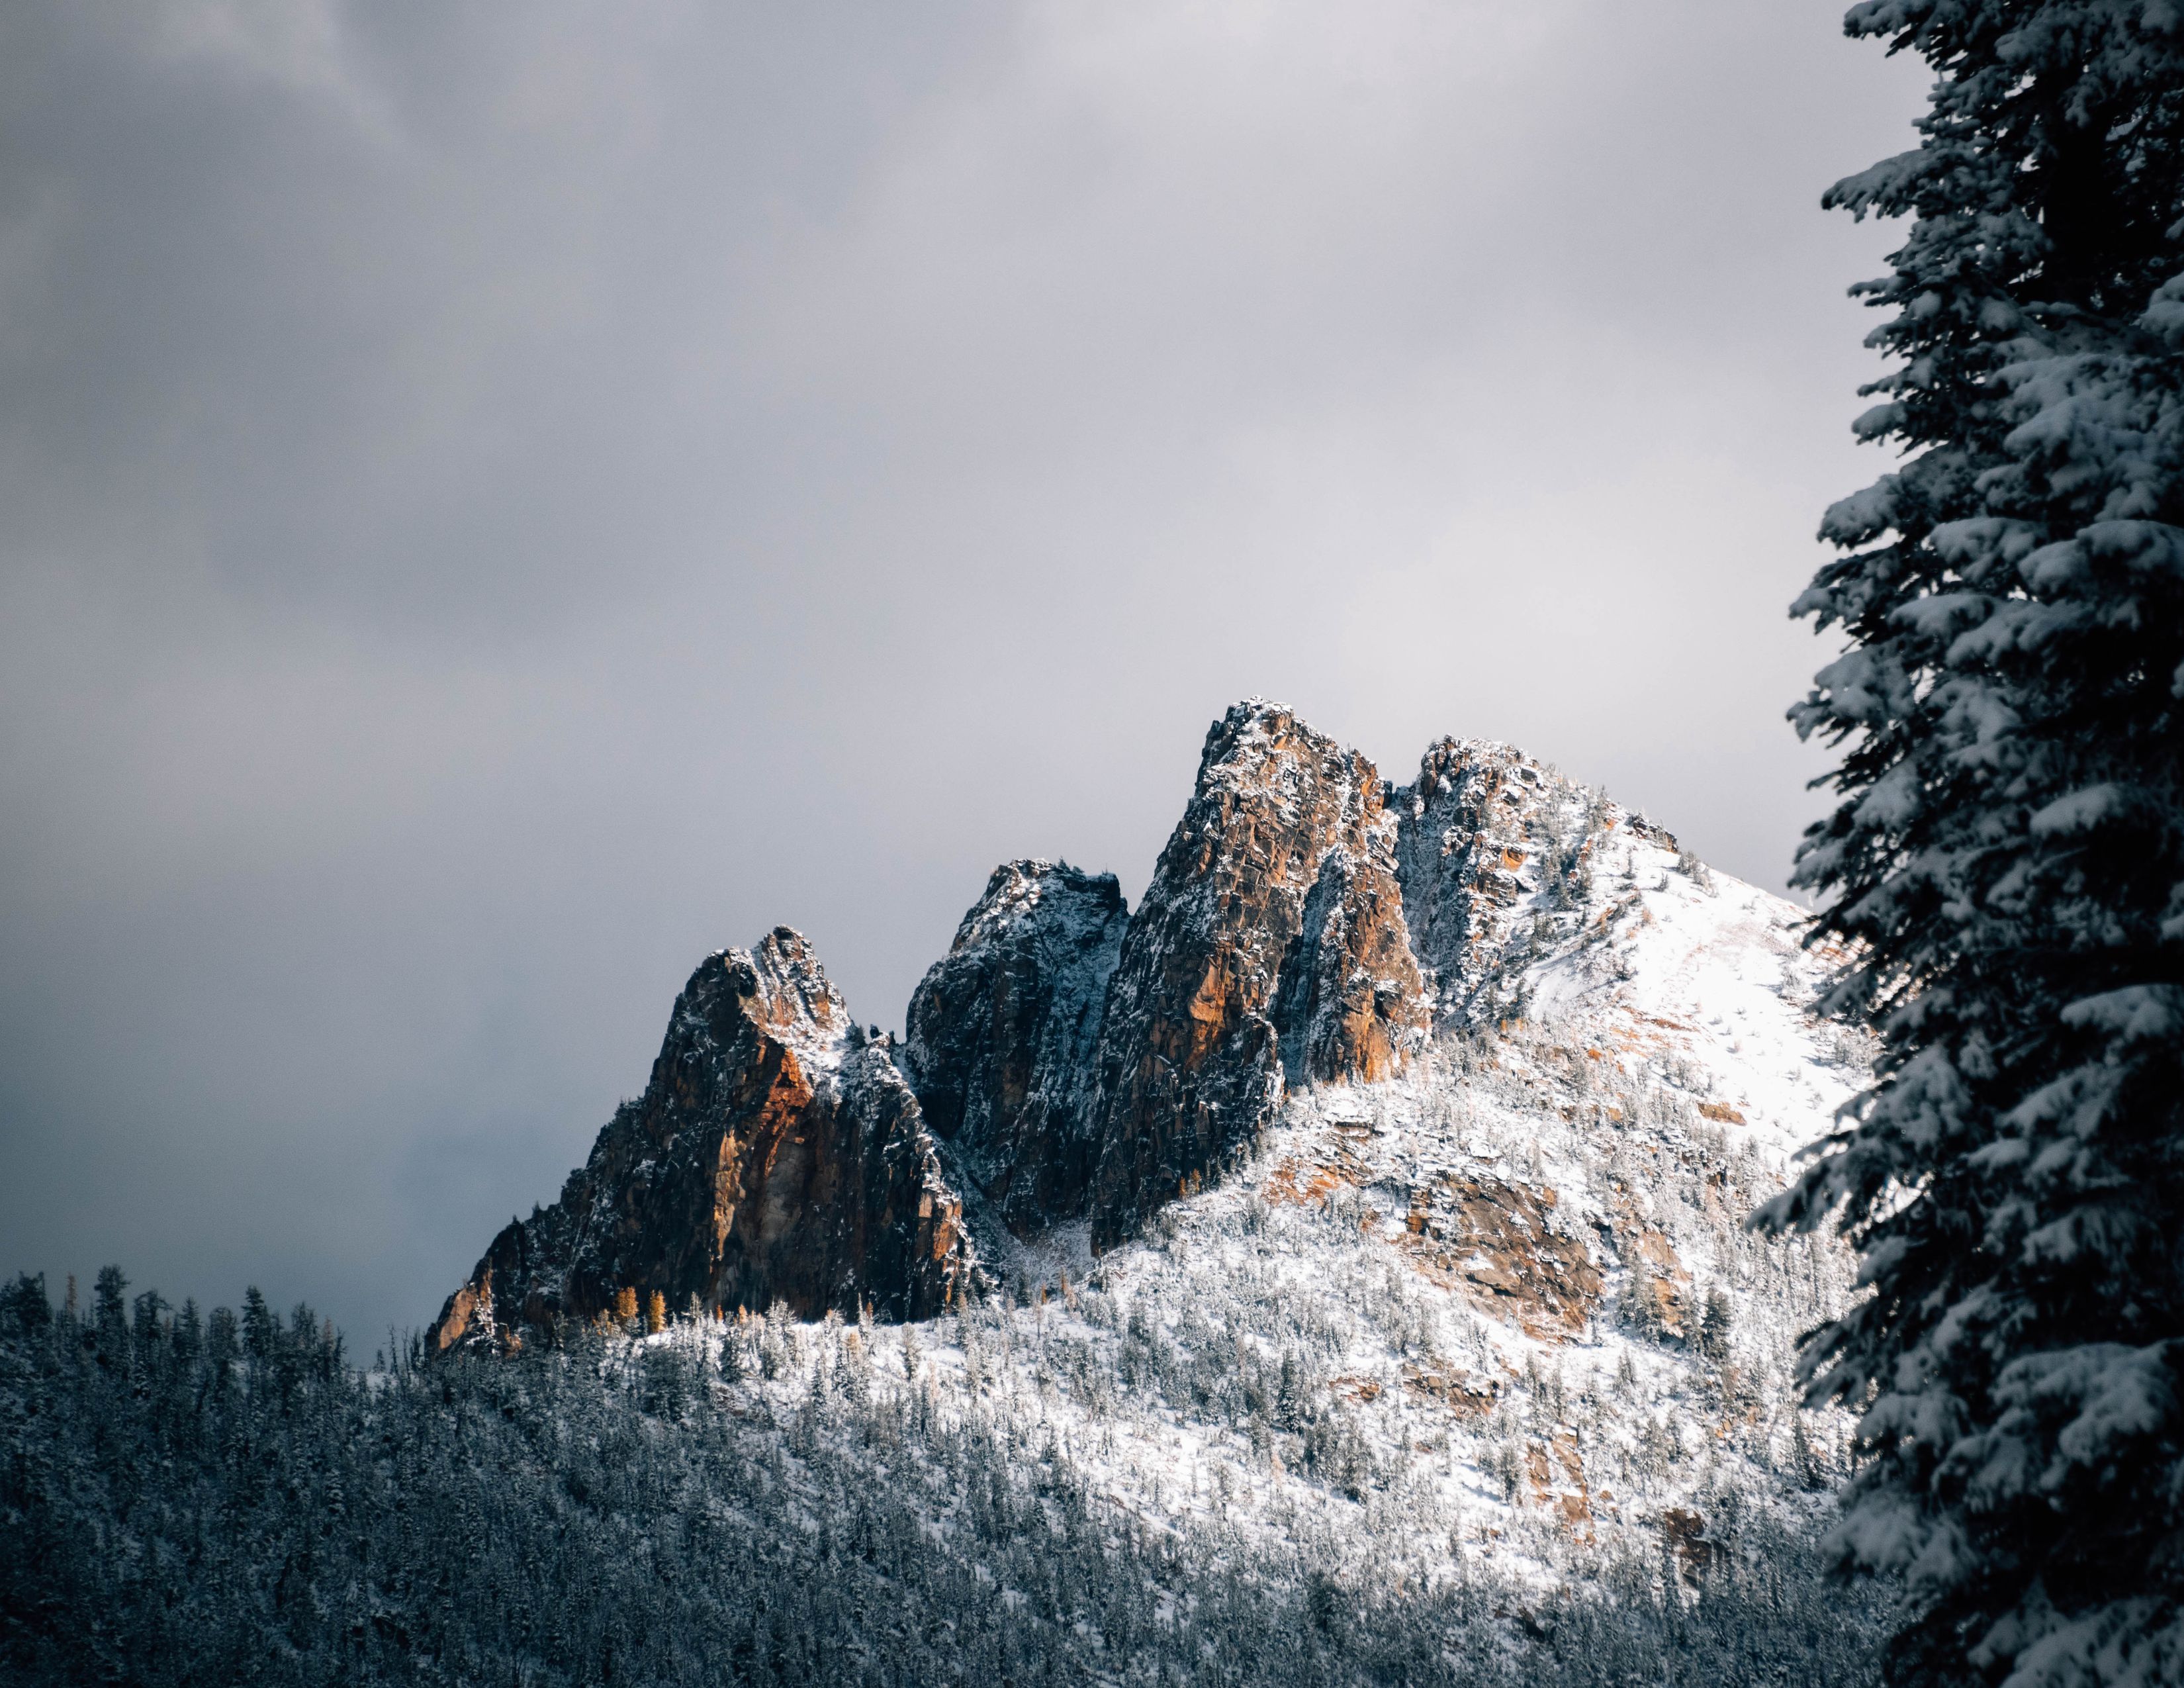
(2005,866)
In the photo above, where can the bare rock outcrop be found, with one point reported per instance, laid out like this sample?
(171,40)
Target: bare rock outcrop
(1491,845)
(1002,1032)
(1500,1241)
(1274,925)
(777,1154)
(1468,857)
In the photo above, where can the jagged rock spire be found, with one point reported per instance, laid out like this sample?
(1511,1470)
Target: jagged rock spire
(1280,874)
(777,1154)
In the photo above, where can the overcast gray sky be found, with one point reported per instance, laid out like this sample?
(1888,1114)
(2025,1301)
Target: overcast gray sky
(497,501)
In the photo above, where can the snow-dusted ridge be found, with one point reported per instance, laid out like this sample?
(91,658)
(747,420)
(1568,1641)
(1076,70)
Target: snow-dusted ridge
(1378,1183)
(1291,1358)
(1500,1312)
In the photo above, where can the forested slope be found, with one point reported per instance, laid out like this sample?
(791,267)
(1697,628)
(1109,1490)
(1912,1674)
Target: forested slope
(226,1500)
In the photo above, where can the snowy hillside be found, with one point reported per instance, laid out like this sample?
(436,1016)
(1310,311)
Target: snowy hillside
(1498,1312)
(1378,1181)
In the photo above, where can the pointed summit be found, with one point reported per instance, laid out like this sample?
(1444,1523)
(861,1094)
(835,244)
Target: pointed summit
(1273,924)
(776,1154)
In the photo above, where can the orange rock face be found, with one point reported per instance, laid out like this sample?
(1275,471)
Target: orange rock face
(777,1154)
(1272,931)
(1496,1240)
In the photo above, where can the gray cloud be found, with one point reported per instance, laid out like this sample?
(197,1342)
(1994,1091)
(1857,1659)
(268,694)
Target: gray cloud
(495,502)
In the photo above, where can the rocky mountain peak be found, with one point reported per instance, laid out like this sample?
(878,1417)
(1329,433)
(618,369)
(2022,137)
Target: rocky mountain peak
(1495,851)
(776,1154)
(1274,917)
(1413,1130)
(1001,1034)
(781,989)
(1307,925)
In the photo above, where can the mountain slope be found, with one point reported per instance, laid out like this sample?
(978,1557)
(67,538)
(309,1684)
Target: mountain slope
(1332,1271)
(1396,1191)
(1500,1311)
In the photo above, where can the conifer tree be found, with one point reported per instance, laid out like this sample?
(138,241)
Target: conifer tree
(2005,867)
(260,1324)
(109,1314)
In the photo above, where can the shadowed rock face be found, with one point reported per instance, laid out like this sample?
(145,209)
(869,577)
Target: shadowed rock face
(1002,1031)
(776,1154)
(1273,922)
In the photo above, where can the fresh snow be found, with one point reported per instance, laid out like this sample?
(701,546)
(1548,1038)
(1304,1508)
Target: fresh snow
(1285,1357)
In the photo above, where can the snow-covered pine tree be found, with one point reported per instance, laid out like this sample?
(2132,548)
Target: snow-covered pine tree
(2005,866)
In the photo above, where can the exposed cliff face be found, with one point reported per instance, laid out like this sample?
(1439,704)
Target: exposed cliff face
(1001,1034)
(1273,919)
(1351,1003)
(776,1154)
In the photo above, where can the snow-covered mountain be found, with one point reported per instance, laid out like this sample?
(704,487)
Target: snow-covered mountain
(1375,1186)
